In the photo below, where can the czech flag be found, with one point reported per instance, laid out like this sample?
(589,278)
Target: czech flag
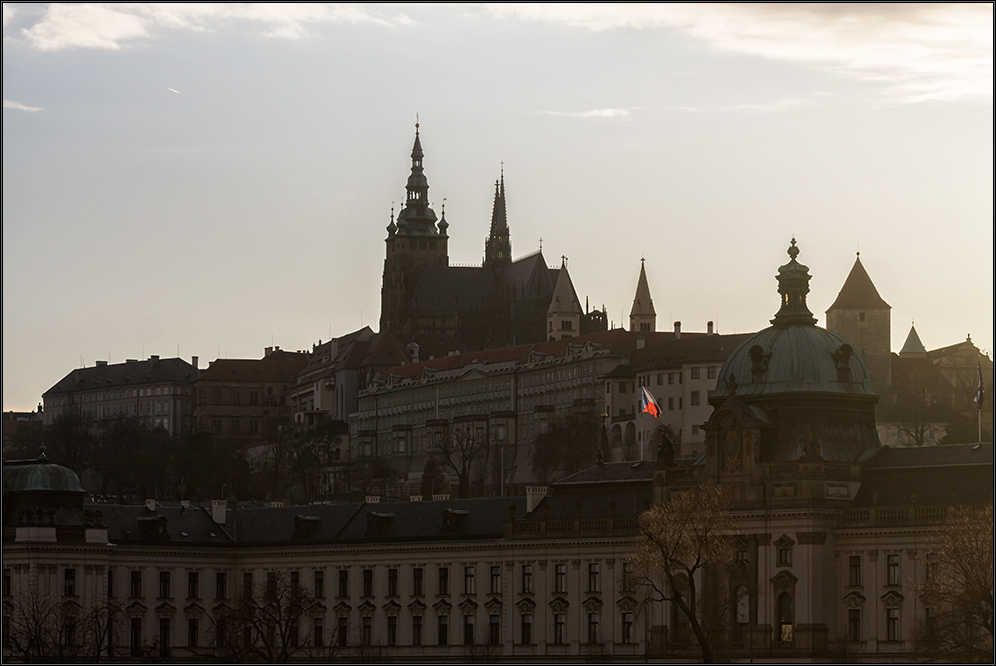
(649,404)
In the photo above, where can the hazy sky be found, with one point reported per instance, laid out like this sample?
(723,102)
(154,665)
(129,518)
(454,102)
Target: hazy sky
(218,178)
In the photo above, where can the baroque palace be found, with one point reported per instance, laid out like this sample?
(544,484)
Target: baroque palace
(835,539)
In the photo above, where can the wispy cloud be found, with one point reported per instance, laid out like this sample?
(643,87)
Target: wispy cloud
(918,52)
(17,106)
(592,113)
(8,13)
(776,105)
(113,26)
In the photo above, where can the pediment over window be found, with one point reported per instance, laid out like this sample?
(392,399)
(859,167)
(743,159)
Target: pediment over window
(493,605)
(592,604)
(559,605)
(526,605)
(892,599)
(416,607)
(442,605)
(784,541)
(468,605)
(854,600)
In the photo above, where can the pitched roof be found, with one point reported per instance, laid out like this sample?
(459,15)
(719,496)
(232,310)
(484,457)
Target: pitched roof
(277,366)
(131,373)
(858,292)
(928,475)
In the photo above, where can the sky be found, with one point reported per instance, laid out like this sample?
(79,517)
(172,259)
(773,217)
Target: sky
(209,180)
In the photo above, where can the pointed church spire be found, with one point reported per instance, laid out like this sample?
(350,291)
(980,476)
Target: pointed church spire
(498,247)
(643,317)
(416,218)
(564,314)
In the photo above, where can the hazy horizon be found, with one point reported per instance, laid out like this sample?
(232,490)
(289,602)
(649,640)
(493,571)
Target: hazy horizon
(216,179)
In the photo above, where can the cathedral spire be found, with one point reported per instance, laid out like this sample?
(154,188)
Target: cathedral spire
(416,218)
(498,247)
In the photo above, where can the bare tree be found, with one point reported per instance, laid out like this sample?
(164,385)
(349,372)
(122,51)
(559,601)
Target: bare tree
(269,624)
(959,590)
(679,543)
(460,452)
(43,630)
(570,444)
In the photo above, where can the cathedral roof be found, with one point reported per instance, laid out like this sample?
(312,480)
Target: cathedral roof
(858,292)
(130,373)
(643,304)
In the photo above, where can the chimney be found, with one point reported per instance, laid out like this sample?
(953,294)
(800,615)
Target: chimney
(414,498)
(641,342)
(154,358)
(100,363)
(184,504)
(150,504)
(677,330)
(372,499)
(267,351)
(277,504)
(534,495)
(193,362)
(219,511)
(708,328)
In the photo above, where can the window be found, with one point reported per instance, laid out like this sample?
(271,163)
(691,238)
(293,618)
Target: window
(319,579)
(417,584)
(136,584)
(392,629)
(69,582)
(742,557)
(444,583)
(892,624)
(253,397)
(628,635)
(221,585)
(318,632)
(295,580)
(854,624)
(193,585)
(253,426)
(343,582)
(742,605)
(527,579)
(366,636)
(392,582)
(526,629)
(695,398)
(622,387)
(271,585)
(670,378)
(468,580)
(8,582)
(193,629)
(711,372)
(164,638)
(627,577)
(696,373)
(861,316)
(444,630)
(494,630)
(786,617)
(495,580)
(785,556)
(110,584)
(416,630)
(368,582)
(893,569)
(247,585)
(593,577)
(468,629)
(854,568)
(560,578)
(593,634)
(670,404)
(559,623)
(135,630)
(164,585)
(342,633)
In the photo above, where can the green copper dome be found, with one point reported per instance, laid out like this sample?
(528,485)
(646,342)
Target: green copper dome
(22,476)
(794,355)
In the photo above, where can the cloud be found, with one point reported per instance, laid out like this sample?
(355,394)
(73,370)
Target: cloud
(17,106)
(8,13)
(593,113)
(113,26)
(918,52)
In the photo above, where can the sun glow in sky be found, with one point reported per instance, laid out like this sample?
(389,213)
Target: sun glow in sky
(216,178)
